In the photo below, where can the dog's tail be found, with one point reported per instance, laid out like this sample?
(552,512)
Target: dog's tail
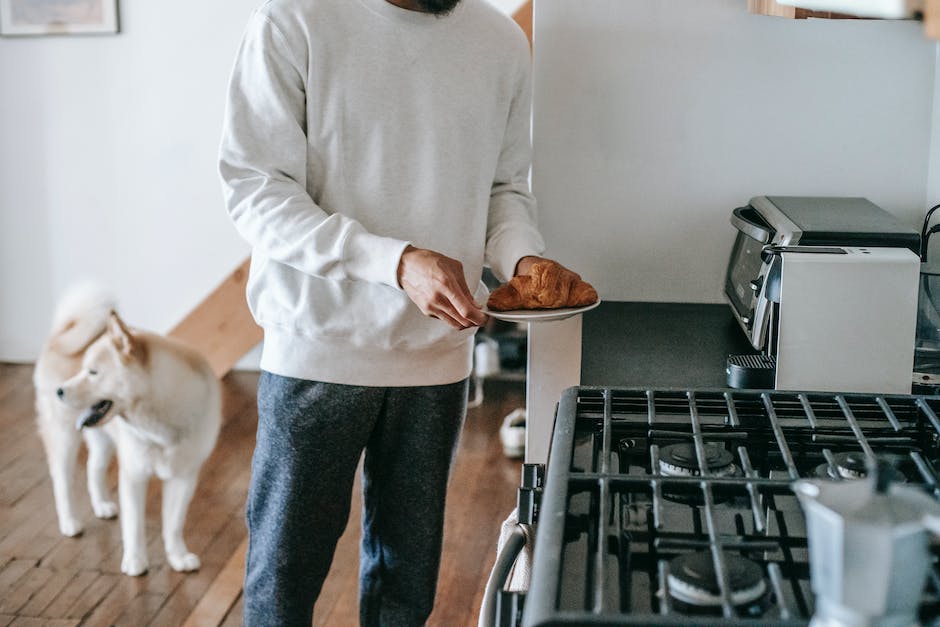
(81,315)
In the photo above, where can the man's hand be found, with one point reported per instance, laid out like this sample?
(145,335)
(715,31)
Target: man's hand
(437,286)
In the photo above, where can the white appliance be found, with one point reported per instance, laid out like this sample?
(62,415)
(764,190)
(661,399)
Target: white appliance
(847,320)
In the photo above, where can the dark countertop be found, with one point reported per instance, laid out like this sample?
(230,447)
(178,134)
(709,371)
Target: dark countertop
(659,345)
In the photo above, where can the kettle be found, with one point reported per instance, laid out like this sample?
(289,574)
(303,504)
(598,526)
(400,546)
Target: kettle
(868,548)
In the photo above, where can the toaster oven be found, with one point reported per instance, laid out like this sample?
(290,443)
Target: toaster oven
(826,289)
(770,224)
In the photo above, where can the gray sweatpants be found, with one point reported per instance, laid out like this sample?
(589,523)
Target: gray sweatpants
(310,438)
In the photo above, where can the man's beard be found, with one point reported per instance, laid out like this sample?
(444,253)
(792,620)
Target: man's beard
(438,7)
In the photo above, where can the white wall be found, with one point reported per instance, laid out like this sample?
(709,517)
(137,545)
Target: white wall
(107,166)
(108,144)
(654,118)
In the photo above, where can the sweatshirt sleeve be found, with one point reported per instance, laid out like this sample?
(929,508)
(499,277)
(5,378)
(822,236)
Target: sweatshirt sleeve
(511,231)
(263,166)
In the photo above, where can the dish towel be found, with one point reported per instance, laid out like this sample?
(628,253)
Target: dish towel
(519,575)
(522,570)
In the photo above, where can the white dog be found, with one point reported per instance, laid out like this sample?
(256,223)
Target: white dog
(80,318)
(166,403)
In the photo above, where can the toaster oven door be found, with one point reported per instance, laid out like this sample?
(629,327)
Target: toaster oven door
(745,276)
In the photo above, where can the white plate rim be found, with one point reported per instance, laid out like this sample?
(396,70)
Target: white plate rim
(539,315)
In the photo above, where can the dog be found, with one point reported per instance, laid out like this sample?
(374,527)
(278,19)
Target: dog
(81,317)
(160,402)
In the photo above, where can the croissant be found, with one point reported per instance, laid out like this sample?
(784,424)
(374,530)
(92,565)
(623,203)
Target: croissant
(547,286)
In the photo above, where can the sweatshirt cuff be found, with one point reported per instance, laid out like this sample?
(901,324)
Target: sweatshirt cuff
(373,258)
(505,260)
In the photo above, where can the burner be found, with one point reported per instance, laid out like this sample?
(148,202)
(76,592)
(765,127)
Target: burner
(692,582)
(679,460)
(851,465)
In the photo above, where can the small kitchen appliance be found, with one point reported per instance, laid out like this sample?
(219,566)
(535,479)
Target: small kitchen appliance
(677,507)
(868,546)
(927,346)
(826,289)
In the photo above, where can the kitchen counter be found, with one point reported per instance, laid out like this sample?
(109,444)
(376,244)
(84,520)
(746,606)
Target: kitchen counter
(625,344)
(631,344)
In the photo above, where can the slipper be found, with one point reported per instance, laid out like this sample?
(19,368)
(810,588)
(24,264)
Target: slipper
(512,434)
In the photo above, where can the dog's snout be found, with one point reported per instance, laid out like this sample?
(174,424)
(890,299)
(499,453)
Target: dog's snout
(60,393)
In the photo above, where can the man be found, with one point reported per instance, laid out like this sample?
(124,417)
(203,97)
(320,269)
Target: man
(375,155)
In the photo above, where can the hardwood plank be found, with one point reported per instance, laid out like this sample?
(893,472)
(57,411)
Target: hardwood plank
(93,595)
(24,621)
(126,595)
(12,572)
(191,589)
(30,524)
(222,594)
(21,470)
(143,608)
(221,326)
(43,597)
(99,540)
(18,480)
(69,595)
(234,616)
(16,515)
(25,588)
(42,537)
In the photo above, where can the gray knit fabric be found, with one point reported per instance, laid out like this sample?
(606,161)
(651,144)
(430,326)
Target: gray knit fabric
(310,438)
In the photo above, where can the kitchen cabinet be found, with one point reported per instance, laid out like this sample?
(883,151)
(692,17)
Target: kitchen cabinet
(931,13)
(771,7)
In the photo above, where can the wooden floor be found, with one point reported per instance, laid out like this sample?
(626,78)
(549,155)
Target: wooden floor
(46,579)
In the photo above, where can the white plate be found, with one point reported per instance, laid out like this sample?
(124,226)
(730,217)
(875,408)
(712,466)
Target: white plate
(539,315)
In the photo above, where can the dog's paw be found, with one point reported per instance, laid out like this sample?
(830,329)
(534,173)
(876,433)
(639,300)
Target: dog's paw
(70,527)
(184,562)
(105,509)
(134,565)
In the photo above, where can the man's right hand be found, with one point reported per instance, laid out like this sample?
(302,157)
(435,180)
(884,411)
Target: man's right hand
(437,286)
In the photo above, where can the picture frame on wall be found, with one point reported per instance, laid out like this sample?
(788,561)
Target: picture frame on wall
(58,17)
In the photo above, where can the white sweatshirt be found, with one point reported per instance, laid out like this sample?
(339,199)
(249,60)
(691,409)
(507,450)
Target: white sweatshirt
(354,128)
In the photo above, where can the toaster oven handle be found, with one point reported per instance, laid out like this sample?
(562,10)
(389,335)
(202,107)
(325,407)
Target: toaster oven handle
(749,228)
(769,251)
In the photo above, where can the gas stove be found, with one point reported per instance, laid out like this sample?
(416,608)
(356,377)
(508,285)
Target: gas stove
(668,507)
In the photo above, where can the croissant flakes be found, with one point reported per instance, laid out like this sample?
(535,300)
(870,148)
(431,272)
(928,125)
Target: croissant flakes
(542,289)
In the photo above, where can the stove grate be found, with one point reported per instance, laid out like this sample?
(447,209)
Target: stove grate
(611,520)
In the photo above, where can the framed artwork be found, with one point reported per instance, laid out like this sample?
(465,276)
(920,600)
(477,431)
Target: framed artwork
(58,17)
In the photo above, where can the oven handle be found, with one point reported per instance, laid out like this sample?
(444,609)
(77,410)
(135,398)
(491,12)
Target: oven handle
(752,230)
(500,573)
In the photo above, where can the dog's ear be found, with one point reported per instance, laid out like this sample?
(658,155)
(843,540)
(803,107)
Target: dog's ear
(123,339)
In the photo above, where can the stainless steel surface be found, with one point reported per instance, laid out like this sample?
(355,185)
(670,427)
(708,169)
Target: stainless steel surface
(868,547)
